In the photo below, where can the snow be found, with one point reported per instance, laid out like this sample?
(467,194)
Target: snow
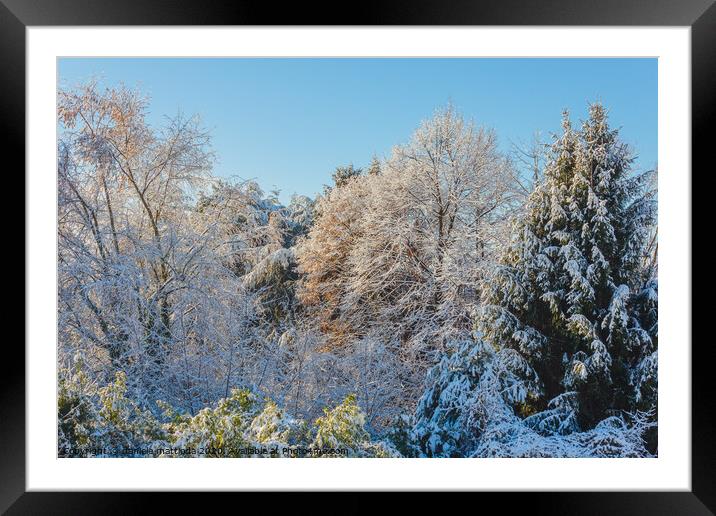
(426,307)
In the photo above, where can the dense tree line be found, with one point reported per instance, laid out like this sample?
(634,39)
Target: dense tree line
(445,301)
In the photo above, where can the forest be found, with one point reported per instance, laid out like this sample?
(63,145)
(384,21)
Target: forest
(450,299)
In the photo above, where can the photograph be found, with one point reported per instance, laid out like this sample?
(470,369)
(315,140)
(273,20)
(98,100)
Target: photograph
(414,249)
(357,257)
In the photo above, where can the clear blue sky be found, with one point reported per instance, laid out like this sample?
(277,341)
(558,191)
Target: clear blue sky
(289,122)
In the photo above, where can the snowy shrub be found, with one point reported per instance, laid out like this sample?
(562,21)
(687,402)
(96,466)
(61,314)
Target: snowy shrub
(612,437)
(342,427)
(104,422)
(101,421)
(273,426)
(76,412)
(216,431)
(472,410)
(471,386)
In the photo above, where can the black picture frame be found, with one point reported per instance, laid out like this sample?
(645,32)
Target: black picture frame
(700,15)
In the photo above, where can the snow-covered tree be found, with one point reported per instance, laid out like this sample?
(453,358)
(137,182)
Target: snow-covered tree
(374,167)
(344,174)
(395,259)
(472,409)
(301,212)
(402,250)
(124,251)
(146,286)
(569,294)
(470,376)
(323,257)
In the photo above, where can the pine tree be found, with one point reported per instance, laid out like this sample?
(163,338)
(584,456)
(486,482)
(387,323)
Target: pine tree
(470,389)
(343,175)
(374,168)
(469,411)
(569,294)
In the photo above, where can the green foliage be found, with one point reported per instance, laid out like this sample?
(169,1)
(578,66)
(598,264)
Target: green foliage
(342,427)
(104,422)
(401,439)
(217,431)
(76,412)
(274,426)
(101,421)
(121,422)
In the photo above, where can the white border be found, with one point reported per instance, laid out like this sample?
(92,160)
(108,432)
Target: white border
(671,470)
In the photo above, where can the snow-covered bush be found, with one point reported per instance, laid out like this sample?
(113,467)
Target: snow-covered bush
(216,431)
(274,427)
(76,411)
(104,422)
(101,421)
(342,427)
(473,406)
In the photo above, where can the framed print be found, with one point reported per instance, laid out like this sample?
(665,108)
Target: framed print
(410,251)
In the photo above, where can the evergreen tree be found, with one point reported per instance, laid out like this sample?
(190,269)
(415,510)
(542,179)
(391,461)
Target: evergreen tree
(374,167)
(343,175)
(569,294)
(469,411)
(471,388)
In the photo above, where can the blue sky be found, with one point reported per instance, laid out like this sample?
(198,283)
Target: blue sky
(289,122)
